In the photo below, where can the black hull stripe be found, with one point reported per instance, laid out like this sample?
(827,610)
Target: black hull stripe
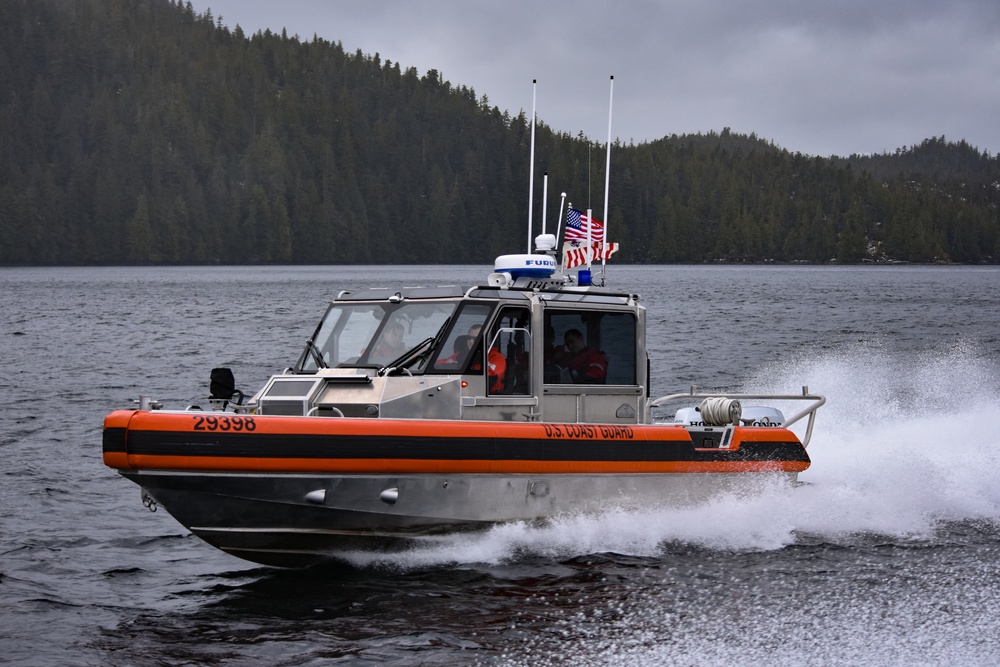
(269,446)
(114,440)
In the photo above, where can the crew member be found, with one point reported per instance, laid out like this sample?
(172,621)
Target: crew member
(460,349)
(585,363)
(553,353)
(390,345)
(496,363)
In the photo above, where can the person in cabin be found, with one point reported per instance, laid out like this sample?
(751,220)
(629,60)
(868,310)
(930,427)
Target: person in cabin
(553,352)
(390,344)
(585,363)
(460,350)
(517,379)
(554,357)
(496,363)
(496,370)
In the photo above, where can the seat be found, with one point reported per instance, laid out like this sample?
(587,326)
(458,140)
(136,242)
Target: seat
(222,387)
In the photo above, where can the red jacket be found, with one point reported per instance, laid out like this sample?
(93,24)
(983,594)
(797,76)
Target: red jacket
(587,365)
(496,370)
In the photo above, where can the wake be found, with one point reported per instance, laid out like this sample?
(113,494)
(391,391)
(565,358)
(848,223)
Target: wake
(904,446)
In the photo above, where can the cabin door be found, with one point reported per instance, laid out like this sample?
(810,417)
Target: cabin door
(507,360)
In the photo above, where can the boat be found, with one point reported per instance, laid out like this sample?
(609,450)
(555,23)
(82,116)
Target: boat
(421,411)
(417,412)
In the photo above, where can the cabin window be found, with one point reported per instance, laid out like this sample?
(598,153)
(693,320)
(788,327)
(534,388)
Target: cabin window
(343,335)
(367,335)
(408,332)
(455,352)
(585,347)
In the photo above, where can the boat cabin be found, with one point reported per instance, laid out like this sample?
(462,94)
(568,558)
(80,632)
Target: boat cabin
(524,347)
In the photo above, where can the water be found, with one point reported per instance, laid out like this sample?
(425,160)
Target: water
(889,554)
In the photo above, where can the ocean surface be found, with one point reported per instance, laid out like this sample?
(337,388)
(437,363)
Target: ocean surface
(888,553)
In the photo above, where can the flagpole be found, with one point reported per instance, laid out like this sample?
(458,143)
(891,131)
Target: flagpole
(562,250)
(531,169)
(607,176)
(569,206)
(590,243)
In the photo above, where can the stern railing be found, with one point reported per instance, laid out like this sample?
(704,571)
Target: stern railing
(816,401)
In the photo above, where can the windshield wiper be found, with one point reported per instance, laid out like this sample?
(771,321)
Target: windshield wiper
(427,346)
(440,333)
(316,353)
(409,355)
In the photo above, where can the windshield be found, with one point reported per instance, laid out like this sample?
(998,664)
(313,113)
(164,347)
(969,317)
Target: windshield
(372,334)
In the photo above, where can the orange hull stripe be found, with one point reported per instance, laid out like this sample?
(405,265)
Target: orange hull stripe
(116,460)
(119,418)
(273,425)
(769,434)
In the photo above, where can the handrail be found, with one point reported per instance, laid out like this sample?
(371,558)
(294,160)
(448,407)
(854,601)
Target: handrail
(818,400)
(314,411)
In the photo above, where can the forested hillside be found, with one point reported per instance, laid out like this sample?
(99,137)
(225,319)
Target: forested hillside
(138,131)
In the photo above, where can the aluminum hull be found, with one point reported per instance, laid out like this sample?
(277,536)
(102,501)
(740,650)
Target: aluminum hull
(289,491)
(291,520)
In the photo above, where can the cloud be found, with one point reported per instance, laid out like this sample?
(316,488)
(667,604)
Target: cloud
(820,78)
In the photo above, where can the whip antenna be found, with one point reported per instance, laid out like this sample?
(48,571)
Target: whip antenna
(545,197)
(607,176)
(531,168)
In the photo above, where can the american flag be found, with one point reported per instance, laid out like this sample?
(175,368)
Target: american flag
(578,255)
(576,227)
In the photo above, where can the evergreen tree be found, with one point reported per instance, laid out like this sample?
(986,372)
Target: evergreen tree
(144,132)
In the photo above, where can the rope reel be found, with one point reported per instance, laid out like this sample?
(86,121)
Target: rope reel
(719,411)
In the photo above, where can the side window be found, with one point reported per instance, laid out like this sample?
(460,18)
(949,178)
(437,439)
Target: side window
(509,356)
(618,345)
(589,348)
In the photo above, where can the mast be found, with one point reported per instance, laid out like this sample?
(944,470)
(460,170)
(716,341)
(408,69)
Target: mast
(607,177)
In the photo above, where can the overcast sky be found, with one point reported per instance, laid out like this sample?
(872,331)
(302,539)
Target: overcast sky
(822,77)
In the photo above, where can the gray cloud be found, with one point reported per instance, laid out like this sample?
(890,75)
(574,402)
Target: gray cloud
(817,77)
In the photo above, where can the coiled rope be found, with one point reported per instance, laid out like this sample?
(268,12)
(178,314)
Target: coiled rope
(719,411)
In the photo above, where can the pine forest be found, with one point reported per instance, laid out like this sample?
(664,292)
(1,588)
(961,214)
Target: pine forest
(140,132)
